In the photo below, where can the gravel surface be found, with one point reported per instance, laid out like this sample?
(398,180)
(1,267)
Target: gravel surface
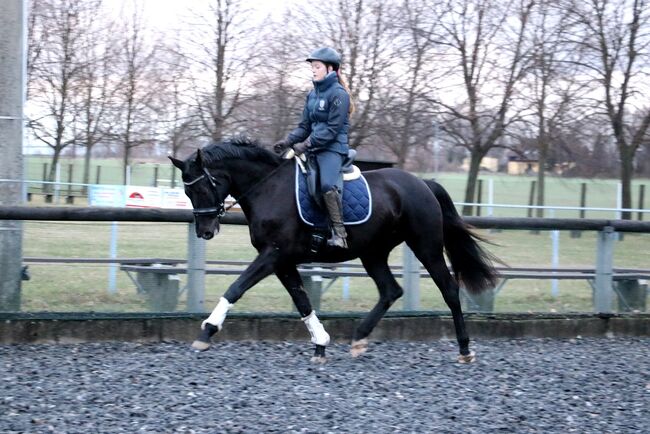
(593,385)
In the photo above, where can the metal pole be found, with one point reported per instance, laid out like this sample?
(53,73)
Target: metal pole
(112,268)
(57,185)
(13,20)
(436,149)
(195,271)
(603,292)
(490,210)
(555,257)
(346,285)
(619,200)
(411,279)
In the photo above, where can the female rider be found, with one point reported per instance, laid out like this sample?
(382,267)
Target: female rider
(323,132)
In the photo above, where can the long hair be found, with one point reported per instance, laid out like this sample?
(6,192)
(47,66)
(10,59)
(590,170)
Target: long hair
(344,83)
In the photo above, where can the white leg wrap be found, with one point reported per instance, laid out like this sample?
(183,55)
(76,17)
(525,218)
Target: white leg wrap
(318,334)
(218,315)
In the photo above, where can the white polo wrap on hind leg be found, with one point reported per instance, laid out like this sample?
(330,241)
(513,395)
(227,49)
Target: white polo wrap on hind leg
(218,315)
(318,334)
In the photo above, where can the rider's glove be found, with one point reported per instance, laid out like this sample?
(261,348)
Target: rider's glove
(280,146)
(300,148)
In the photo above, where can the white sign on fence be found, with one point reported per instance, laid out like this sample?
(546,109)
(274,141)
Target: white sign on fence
(175,198)
(134,196)
(143,197)
(106,195)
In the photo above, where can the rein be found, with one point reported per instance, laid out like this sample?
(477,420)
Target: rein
(221,210)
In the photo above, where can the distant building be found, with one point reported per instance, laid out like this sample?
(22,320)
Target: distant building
(490,164)
(522,166)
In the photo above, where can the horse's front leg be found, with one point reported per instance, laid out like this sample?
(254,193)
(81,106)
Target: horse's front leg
(288,275)
(260,268)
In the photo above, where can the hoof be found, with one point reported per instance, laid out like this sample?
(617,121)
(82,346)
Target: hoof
(200,345)
(469,358)
(359,347)
(319,360)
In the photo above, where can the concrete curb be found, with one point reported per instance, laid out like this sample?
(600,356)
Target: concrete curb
(21,328)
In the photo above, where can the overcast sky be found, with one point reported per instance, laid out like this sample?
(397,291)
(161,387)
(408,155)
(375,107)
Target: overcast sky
(167,14)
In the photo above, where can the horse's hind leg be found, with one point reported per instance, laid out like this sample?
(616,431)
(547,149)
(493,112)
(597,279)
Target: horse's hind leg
(435,264)
(389,292)
(291,280)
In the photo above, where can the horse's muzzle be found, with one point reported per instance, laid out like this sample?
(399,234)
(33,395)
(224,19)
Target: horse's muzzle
(207,235)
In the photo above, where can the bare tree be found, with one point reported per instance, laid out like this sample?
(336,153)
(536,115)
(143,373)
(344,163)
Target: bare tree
(55,68)
(178,126)
(486,48)
(135,121)
(221,53)
(616,41)
(277,82)
(407,121)
(96,89)
(551,86)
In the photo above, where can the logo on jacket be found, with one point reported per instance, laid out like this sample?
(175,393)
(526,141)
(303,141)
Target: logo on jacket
(321,105)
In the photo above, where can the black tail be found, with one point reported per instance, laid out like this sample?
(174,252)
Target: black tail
(471,264)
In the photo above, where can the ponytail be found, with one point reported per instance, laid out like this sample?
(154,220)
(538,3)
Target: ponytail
(343,83)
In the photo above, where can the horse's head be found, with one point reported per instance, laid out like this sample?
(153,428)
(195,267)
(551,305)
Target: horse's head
(207,188)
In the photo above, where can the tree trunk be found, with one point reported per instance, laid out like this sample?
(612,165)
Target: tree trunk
(470,189)
(51,177)
(541,177)
(627,171)
(125,161)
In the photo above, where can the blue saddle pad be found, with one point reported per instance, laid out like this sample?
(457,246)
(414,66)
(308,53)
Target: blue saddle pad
(357,202)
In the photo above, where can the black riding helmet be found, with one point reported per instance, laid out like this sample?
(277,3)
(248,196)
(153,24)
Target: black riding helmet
(326,55)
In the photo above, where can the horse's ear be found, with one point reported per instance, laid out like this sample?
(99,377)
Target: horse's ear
(199,158)
(176,162)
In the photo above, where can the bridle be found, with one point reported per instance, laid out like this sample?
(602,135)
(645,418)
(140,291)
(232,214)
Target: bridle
(220,209)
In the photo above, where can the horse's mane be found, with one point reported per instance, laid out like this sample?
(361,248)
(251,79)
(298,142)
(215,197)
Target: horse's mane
(242,148)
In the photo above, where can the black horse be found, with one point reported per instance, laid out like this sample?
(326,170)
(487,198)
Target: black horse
(404,209)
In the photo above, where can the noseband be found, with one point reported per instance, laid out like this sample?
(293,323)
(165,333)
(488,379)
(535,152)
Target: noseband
(218,210)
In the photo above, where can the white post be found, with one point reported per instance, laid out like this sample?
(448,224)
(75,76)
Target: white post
(346,285)
(619,200)
(411,279)
(490,196)
(13,28)
(555,256)
(195,271)
(603,293)
(436,149)
(112,268)
(57,180)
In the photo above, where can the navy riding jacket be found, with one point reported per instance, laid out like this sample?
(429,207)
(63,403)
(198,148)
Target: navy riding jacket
(325,118)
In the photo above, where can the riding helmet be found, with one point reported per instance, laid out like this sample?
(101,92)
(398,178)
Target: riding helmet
(326,55)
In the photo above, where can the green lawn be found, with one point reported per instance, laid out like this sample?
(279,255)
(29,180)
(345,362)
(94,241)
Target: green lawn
(508,189)
(78,287)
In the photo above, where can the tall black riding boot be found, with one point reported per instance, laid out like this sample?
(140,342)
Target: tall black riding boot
(334,207)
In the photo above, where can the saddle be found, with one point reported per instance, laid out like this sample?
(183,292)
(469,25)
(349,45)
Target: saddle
(309,168)
(356,197)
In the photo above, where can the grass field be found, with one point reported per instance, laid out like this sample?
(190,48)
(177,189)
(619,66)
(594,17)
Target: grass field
(84,288)
(601,193)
